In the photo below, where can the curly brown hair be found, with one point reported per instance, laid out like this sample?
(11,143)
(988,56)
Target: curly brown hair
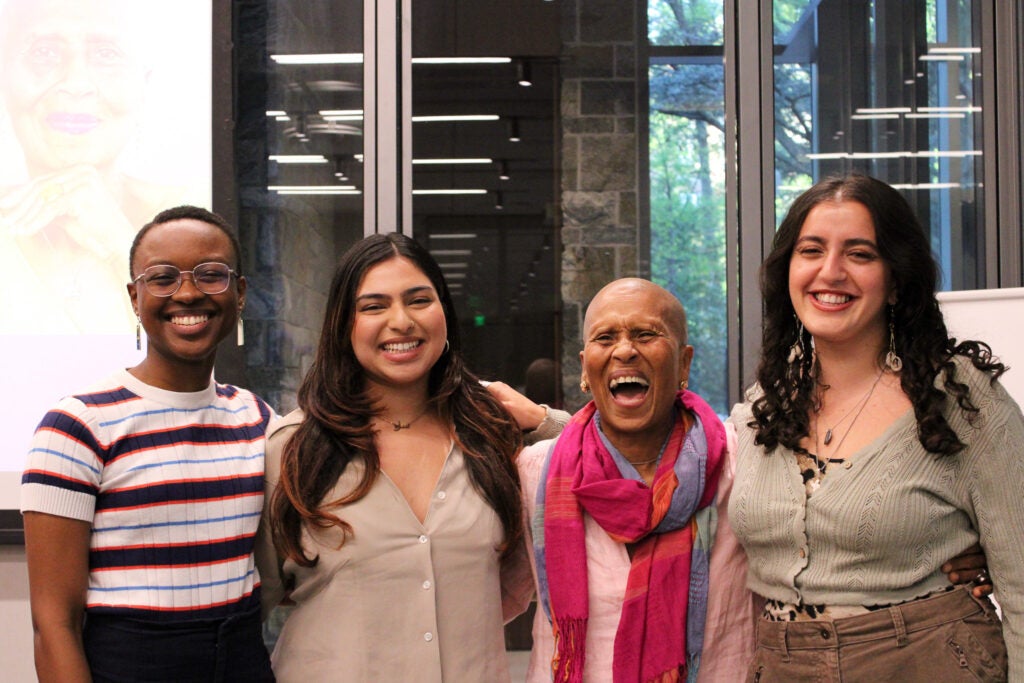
(921,338)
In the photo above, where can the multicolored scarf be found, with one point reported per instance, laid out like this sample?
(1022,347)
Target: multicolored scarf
(661,629)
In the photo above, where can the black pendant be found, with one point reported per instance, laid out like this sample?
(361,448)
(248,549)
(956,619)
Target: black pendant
(828,436)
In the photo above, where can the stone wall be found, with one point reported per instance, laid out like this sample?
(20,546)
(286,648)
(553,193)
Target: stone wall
(600,235)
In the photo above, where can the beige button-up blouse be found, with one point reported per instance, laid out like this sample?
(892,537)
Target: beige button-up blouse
(401,600)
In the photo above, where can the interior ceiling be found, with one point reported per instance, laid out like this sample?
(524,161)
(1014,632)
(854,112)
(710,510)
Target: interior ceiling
(514,219)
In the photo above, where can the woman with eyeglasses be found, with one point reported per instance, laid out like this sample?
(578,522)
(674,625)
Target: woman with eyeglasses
(142,494)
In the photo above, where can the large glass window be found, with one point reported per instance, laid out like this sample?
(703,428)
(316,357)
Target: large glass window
(893,89)
(686,152)
(484,122)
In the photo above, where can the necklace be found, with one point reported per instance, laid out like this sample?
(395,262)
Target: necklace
(862,403)
(398,425)
(829,432)
(646,462)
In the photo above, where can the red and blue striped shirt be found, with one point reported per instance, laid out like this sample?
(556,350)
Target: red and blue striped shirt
(172,484)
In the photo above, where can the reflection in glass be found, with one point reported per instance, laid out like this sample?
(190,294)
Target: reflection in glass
(891,89)
(484,108)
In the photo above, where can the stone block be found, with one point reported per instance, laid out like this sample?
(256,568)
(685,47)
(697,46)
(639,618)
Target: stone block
(625,61)
(607,98)
(607,162)
(570,98)
(588,125)
(587,210)
(602,21)
(625,125)
(628,210)
(586,270)
(588,61)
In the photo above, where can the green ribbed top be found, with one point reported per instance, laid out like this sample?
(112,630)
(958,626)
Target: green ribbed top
(878,531)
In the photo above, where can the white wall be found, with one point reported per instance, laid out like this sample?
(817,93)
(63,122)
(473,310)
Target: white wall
(996,317)
(15,622)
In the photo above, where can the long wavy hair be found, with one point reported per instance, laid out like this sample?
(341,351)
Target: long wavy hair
(921,338)
(336,428)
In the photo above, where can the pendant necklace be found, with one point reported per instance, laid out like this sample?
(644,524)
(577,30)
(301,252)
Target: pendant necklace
(862,404)
(398,425)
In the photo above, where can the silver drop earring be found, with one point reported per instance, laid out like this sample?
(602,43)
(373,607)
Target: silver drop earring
(138,333)
(796,351)
(892,360)
(240,332)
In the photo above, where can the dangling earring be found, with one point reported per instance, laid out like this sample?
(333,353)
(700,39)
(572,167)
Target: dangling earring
(138,333)
(584,387)
(796,351)
(892,361)
(240,332)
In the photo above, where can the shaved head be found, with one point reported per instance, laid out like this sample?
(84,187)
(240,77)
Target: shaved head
(634,362)
(668,306)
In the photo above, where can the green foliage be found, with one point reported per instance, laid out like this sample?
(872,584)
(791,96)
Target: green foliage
(685,22)
(687,170)
(688,242)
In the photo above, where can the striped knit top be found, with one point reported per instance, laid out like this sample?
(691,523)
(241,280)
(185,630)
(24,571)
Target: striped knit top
(172,484)
(878,531)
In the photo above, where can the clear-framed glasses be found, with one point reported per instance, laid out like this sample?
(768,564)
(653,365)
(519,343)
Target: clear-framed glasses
(165,280)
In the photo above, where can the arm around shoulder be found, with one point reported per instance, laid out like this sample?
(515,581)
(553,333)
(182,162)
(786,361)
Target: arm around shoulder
(268,563)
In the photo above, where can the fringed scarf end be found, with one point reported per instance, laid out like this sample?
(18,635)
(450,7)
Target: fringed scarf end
(570,635)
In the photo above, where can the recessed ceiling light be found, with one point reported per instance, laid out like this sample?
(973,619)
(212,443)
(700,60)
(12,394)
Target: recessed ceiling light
(459,117)
(324,58)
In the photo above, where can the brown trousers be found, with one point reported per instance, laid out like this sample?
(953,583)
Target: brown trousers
(946,638)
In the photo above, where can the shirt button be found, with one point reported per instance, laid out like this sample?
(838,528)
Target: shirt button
(423,539)
(427,585)
(803,552)
(825,633)
(441,495)
(428,636)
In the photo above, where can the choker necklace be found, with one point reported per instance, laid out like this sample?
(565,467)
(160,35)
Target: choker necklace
(398,425)
(861,403)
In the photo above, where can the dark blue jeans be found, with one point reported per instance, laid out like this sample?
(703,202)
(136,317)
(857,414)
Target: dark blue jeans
(124,650)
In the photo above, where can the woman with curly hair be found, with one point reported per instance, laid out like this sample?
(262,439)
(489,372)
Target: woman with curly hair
(394,515)
(873,447)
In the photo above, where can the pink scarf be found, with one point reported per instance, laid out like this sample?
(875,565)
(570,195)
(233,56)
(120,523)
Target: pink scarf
(650,644)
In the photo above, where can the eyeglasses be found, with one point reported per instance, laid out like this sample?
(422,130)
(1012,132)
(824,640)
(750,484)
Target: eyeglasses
(208,278)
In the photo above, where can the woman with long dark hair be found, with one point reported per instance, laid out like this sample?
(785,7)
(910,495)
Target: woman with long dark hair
(873,447)
(394,514)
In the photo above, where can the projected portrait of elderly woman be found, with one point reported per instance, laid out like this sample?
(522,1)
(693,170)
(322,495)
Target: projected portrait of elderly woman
(74,78)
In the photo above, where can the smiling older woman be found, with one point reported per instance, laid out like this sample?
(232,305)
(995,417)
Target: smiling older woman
(632,577)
